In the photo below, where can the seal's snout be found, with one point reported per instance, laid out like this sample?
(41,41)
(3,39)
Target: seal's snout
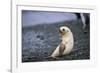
(60,31)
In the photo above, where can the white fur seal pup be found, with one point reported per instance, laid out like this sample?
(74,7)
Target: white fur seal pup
(66,45)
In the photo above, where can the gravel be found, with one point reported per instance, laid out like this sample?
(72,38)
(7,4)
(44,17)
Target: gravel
(39,41)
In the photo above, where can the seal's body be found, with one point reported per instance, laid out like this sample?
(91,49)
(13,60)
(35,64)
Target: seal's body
(66,45)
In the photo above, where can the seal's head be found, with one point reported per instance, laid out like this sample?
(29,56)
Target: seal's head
(64,30)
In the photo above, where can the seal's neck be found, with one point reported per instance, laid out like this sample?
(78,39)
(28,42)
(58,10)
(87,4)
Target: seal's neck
(65,37)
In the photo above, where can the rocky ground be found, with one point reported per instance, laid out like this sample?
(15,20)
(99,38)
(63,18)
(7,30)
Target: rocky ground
(39,41)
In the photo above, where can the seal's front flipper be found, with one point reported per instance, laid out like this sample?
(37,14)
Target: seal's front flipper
(61,49)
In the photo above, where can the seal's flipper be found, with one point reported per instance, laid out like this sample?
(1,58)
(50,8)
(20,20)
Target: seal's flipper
(52,57)
(61,49)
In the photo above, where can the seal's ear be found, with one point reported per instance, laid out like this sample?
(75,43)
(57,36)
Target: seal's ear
(67,30)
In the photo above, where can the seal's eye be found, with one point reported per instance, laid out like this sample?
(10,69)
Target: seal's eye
(63,29)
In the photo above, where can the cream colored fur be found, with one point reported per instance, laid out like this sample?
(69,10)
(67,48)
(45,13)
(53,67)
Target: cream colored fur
(67,40)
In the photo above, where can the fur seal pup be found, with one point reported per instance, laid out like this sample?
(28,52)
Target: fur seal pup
(67,43)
